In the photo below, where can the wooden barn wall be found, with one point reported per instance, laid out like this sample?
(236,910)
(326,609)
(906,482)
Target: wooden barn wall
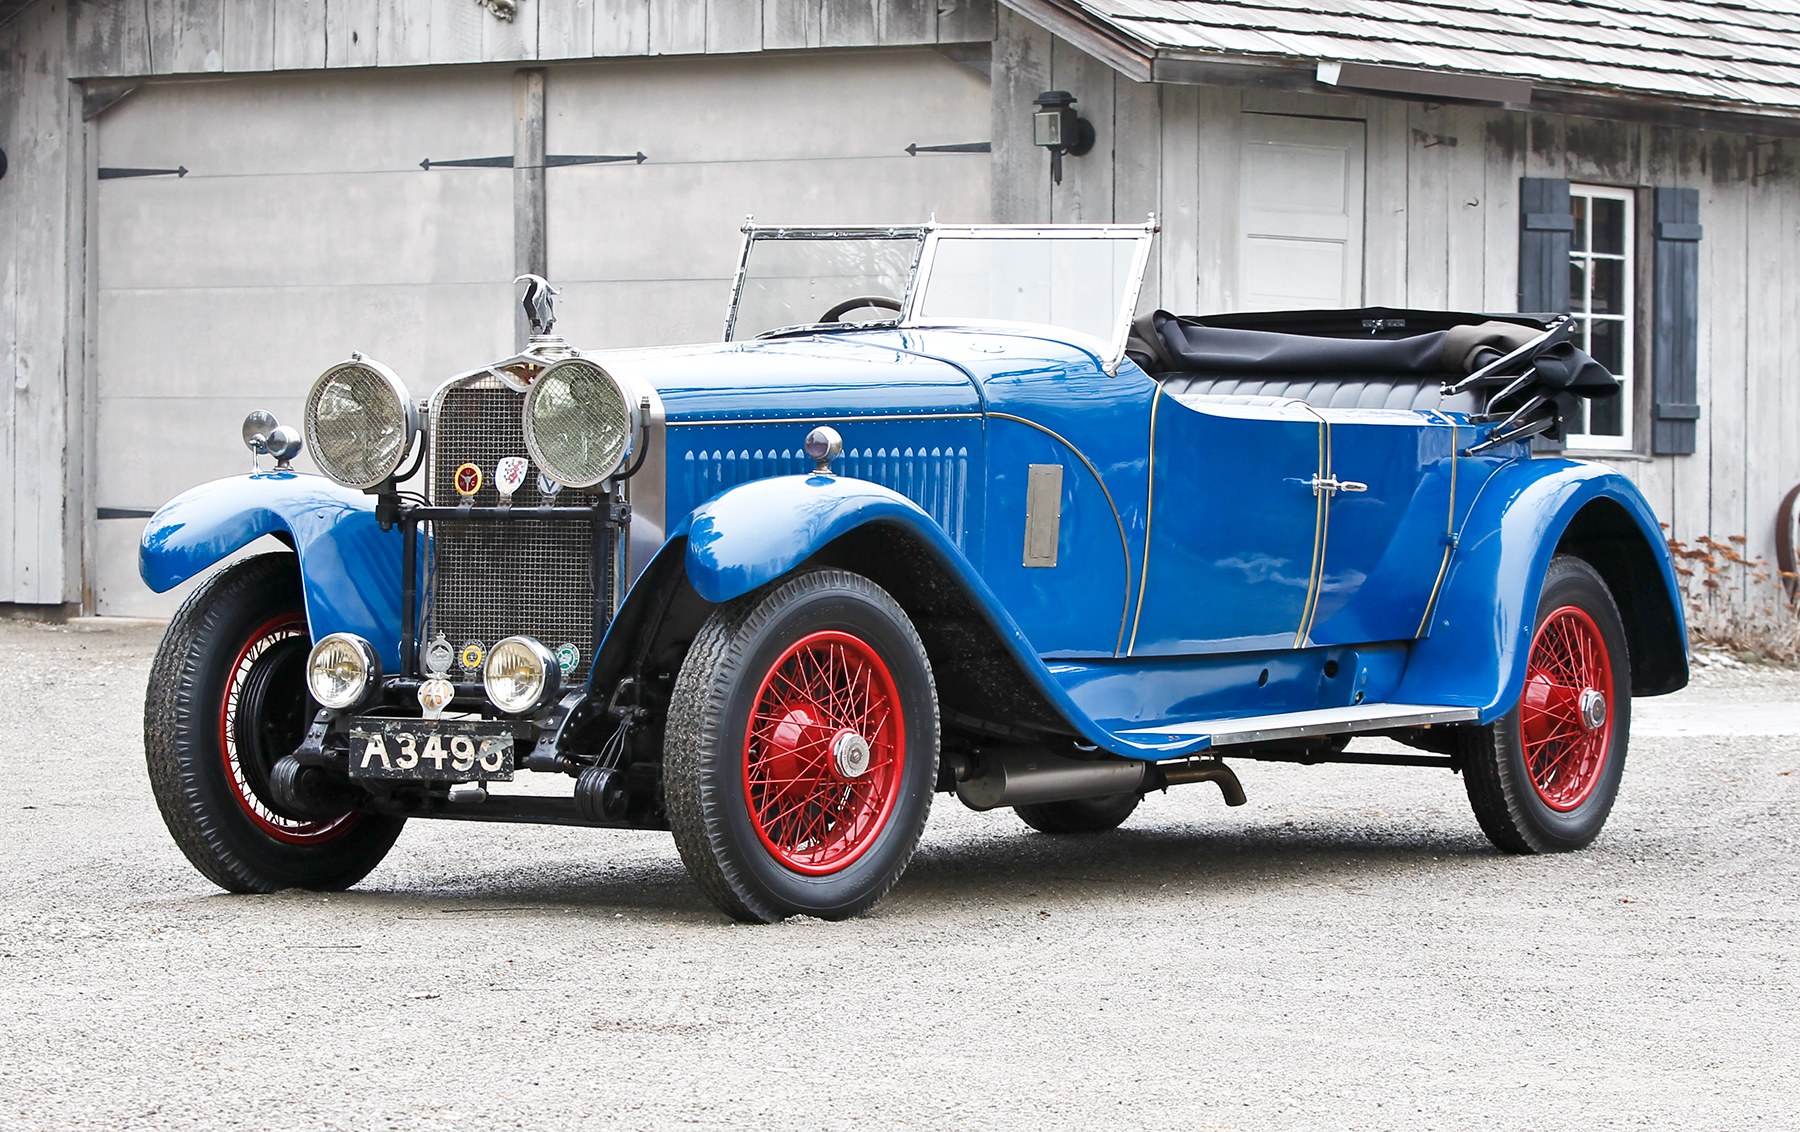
(117,38)
(40,390)
(1441,230)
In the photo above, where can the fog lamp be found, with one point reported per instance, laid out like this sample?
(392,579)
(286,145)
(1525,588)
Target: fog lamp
(520,674)
(341,670)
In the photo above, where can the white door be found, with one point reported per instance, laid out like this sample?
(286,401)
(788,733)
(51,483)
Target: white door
(1302,209)
(303,229)
(645,254)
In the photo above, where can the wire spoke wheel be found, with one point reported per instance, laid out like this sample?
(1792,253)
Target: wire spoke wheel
(1566,715)
(263,716)
(1542,778)
(823,752)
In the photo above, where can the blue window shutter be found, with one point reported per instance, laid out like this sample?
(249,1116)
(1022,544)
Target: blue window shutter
(1675,323)
(1546,226)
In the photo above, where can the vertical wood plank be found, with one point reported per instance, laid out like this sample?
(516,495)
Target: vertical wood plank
(1021,181)
(906,21)
(734,26)
(847,23)
(1137,168)
(1086,194)
(677,27)
(300,35)
(456,31)
(1724,292)
(1177,265)
(1219,222)
(352,37)
(12,217)
(78,418)
(403,33)
(566,28)
(505,41)
(967,21)
(1465,208)
(1389,148)
(248,37)
(185,35)
(1427,213)
(112,38)
(1504,149)
(789,24)
(622,27)
(1767,364)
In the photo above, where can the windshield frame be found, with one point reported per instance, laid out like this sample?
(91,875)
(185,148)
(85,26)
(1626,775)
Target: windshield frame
(928,237)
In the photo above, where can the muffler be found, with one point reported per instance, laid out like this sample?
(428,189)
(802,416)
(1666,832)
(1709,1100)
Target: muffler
(1020,776)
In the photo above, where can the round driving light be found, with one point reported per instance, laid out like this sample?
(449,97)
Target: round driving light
(578,423)
(520,674)
(360,422)
(341,670)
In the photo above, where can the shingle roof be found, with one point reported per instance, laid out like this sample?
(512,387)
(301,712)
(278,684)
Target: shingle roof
(1743,54)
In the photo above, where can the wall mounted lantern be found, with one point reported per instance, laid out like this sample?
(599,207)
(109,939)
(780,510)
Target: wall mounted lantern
(1060,130)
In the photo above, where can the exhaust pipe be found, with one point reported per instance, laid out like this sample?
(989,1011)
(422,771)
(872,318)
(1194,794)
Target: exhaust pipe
(1019,776)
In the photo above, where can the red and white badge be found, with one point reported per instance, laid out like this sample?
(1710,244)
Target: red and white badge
(509,474)
(468,480)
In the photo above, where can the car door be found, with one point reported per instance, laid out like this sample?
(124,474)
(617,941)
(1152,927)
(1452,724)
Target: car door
(1233,525)
(1391,485)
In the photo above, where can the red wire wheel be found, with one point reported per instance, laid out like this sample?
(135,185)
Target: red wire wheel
(262,716)
(1566,716)
(824,752)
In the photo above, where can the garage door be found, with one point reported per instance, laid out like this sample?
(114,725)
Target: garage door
(305,228)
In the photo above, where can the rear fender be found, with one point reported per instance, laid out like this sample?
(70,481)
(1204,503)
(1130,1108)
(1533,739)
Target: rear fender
(1481,626)
(349,566)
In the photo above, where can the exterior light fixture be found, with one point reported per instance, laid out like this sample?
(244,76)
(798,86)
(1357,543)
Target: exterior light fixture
(1060,130)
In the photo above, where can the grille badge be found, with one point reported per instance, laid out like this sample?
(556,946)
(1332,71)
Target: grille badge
(439,655)
(471,656)
(468,481)
(547,487)
(509,475)
(568,658)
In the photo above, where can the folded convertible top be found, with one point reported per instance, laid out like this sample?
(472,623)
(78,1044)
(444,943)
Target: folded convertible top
(1371,341)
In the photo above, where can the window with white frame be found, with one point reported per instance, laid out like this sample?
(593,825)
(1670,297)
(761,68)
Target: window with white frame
(1602,273)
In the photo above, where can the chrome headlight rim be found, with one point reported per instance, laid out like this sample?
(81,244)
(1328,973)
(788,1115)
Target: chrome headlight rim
(362,652)
(549,683)
(629,410)
(408,413)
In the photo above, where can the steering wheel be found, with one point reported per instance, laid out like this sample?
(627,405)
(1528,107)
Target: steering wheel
(882,302)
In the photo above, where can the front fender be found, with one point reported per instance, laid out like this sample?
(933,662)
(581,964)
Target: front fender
(1482,623)
(349,566)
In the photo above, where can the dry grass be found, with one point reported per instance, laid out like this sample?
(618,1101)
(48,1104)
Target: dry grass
(1737,604)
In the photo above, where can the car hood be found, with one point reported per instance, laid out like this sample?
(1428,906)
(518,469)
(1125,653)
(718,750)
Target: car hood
(770,379)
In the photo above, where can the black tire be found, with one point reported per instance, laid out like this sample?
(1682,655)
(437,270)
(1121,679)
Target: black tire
(233,661)
(737,800)
(1083,815)
(1546,785)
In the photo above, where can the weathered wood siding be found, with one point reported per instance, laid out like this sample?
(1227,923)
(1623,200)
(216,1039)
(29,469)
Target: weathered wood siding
(125,38)
(1442,230)
(40,394)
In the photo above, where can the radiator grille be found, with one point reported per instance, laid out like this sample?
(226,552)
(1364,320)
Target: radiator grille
(495,578)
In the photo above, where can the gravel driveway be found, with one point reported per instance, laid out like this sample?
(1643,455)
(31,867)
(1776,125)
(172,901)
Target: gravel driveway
(1345,951)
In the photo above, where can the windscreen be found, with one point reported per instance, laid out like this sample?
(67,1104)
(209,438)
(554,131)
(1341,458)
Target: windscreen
(793,282)
(1076,283)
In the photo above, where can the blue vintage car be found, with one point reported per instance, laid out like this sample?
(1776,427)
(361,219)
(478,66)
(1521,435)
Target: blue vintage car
(938,515)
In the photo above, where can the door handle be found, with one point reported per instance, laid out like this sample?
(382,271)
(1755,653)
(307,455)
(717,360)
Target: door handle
(1329,484)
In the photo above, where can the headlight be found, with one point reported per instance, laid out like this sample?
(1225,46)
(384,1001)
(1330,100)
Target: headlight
(360,422)
(341,670)
(520,674)
(578,423)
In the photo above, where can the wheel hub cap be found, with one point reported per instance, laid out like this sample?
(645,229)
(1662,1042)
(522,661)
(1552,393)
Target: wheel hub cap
(850,754)
(1593,709)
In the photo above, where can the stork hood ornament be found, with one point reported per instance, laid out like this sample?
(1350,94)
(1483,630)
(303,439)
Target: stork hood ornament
(540,303)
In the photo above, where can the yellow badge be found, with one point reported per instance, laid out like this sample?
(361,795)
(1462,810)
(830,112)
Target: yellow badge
(471,656)
(468,480)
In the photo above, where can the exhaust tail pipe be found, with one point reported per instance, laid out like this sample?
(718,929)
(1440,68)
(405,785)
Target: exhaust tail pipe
(1019,776)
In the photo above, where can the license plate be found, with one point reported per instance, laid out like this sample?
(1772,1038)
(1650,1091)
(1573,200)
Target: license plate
(436,750)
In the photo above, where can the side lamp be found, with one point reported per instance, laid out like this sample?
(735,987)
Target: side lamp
(1057,128)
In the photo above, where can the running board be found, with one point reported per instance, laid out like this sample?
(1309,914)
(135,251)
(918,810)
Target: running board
(1302,724)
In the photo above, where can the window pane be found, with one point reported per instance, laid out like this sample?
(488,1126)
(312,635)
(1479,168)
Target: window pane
(1608,295)
(1577,284)
(1609,226)
(1606,418)
(1578,206)
(1607,344)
